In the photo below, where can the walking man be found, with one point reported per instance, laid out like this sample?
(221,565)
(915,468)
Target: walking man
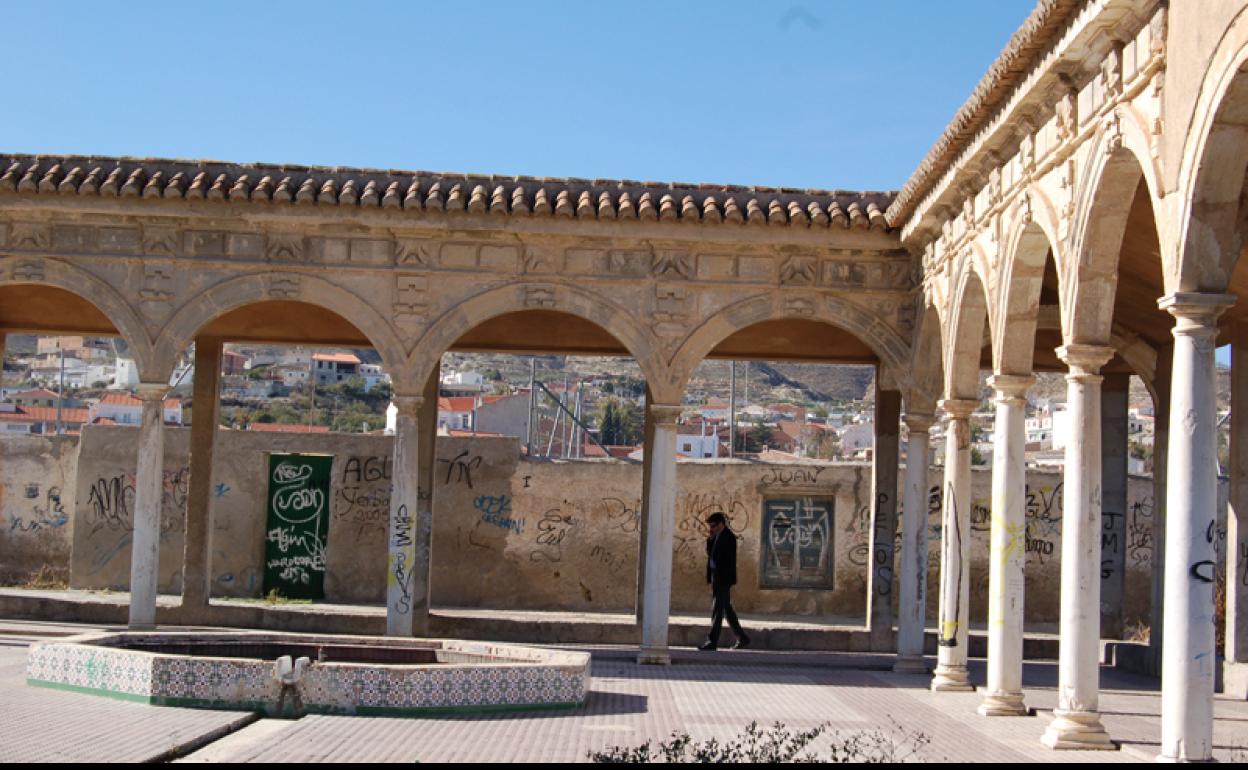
(721,573)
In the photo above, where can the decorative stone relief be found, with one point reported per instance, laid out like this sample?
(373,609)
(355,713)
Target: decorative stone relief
(416,252)
(798,271)
(1111,72)
(540,259)
(799,306)
(1067,110)
(28,270)
(671,311)
(284,247)
(672,264)
(30,235)
(204,243)
(160,240)
(284,286)
(629,263)
(410,300)
(539,296)
(157,282)
(74,238)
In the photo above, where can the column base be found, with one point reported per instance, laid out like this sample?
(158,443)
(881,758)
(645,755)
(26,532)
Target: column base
(1235,679)
(1003,704)
(132,626)
(1077,730)
(910,664)
(951,679)
(654,656)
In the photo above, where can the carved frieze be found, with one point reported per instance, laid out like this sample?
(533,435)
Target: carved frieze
(539,296)
(32,236)
(285,247)
(30,270)
(119,240)
(671,311)
(157,282)
(799,306)
(284,286)
(799,271)
(160,240)
(416,252)
(672,264)
(204,243)
(411,300)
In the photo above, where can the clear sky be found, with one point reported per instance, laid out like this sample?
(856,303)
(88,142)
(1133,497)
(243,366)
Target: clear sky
(817,94)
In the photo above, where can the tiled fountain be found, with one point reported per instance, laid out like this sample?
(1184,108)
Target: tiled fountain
(283,674)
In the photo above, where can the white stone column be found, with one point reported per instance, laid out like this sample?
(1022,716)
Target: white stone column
(404,504)
(1076,723)
(1187,659)
(1008,550)
(148,493)
(955,549)
(1235,674)
(912,597)
(881,578)
(660,530)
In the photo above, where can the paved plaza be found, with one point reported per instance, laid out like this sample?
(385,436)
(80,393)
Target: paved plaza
(709,695)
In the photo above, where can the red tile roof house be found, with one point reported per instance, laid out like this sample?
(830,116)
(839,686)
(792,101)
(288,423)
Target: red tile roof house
(125,409)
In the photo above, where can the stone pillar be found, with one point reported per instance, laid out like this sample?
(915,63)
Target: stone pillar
(1236,674)
(404,504)
(1161,454)
(660,528)
(955,548)
(913,587)
(148,493)
(1187,661)
(1115,399)
(647,439)
(427,426)
(1076,723)
(195,560)
(884,519)
(1008,550)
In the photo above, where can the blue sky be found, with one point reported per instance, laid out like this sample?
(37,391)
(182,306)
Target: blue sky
(817,94)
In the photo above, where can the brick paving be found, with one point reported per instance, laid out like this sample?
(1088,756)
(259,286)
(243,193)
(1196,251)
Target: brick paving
(708,695)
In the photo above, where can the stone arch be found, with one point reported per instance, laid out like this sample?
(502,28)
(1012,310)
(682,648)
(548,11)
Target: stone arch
(1027,248)
(927,369)
(18,271)
(238,292)
(964,342)
(1211,188)
(1100,222)
(891,349)
(557,297)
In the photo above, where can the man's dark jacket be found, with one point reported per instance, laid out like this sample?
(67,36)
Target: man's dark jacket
(722,551)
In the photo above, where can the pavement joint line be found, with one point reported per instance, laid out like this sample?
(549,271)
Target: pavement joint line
(197,742)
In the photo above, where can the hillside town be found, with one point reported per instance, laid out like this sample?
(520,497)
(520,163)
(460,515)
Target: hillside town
(573,408)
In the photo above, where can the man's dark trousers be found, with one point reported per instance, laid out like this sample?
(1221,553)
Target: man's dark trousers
(721,551)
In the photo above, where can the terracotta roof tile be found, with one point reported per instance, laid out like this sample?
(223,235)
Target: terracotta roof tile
(416,191)
(276,427)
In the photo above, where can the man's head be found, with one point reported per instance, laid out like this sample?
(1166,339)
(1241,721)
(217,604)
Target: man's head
(716,521)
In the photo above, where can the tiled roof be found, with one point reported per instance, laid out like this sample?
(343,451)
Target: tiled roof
(45,414)
(338,358)
(456,403)
(422,191)
(1021,52)
(36,393)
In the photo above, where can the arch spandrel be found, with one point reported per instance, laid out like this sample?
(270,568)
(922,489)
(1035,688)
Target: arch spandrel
(253,288)
(60,274)
(470,312)
(869,326)
(1029,241)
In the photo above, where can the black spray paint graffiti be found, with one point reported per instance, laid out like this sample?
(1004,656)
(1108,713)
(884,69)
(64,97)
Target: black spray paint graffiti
(626,517)
(947,633)
(885,543)
(400,575)
(551,532)
(460,468)
(110,501)
(783,477)
(362,497)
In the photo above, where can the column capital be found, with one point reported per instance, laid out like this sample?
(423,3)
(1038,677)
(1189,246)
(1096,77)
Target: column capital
(1084,360)
(665,414)
(919,423)
(1195,313)
(407,406)
(152,391)
(957,408)
(1010,387)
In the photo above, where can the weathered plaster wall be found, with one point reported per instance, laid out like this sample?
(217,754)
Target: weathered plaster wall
(510,533)
(36,503)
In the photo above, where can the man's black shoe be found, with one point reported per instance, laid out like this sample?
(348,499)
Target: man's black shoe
(708,646)
(742,643)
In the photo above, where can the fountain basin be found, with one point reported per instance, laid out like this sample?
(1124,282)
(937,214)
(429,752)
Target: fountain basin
(374,676)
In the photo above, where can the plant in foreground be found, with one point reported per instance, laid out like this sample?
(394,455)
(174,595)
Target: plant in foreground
(777,744)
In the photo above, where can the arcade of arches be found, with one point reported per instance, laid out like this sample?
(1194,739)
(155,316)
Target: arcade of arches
(1083,213)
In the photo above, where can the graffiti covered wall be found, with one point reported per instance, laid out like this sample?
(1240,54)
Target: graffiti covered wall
(36,505)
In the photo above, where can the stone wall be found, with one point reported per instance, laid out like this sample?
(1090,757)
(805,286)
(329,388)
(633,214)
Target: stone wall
(36,505)
(510,533)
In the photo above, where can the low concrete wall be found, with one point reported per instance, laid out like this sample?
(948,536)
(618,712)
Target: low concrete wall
(36,505)
(515,534)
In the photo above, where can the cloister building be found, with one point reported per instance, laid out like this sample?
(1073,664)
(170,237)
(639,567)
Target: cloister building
(1084,213)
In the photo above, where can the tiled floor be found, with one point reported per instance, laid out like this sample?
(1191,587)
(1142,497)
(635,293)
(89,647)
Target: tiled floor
(707,695)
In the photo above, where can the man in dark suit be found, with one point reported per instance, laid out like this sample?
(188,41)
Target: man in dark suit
(721,573)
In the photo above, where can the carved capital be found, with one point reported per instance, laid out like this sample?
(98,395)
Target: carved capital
(665,415)
(958,408)
(919,423)
(148,392)
(1011,388)
(1196,314)
(1085,361)
(407,406)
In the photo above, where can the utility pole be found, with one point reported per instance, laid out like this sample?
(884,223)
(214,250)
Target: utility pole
(60,389)
(528,431)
